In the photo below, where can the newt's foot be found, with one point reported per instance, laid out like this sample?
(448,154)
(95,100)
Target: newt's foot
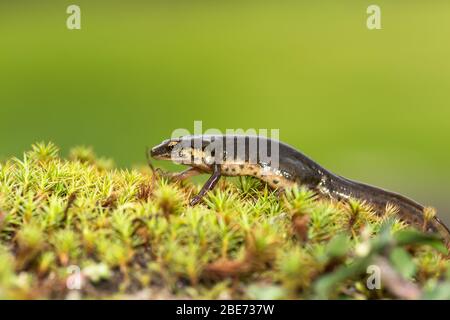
(280,192)
(208,186)
(195,200)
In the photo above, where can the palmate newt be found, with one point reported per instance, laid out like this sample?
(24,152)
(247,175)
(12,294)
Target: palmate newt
(234,155)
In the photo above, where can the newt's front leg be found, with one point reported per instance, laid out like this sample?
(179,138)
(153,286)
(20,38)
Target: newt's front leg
(209,185)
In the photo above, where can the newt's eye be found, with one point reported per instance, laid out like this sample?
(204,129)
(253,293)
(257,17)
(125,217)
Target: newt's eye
(172,143)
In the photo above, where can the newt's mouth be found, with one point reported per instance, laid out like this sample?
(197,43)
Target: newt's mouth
(161,152)
(164,150)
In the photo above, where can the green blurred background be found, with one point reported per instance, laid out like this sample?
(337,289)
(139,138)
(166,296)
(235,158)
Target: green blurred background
(369,105)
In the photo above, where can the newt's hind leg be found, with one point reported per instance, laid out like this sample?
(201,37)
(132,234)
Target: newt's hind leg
(209,185)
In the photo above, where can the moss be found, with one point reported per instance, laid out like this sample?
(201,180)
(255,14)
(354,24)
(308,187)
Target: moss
(133,235)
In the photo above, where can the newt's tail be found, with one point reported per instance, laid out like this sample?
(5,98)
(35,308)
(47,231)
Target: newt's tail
(442,229)
(409,210)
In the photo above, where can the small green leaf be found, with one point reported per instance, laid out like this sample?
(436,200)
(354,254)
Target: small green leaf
(325,285)
(407,237)
(403,262)
(266,292)
(440,292)
(338,246)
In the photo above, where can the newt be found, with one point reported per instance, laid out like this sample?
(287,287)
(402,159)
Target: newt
(235,155)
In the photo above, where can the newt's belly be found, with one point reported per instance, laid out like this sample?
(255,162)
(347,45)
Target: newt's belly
(275,178)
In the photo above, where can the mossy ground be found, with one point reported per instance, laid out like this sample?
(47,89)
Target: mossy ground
(133,235)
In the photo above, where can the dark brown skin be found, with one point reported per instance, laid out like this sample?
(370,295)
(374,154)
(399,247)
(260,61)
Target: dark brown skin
(203,155)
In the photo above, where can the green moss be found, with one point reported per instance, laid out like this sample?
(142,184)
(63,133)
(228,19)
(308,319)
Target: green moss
(132,234)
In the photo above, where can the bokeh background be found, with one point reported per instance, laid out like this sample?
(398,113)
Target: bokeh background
(369,105)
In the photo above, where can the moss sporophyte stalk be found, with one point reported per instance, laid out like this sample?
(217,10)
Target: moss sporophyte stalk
(129,234)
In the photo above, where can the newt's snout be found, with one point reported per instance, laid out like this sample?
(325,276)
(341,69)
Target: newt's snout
(162,151)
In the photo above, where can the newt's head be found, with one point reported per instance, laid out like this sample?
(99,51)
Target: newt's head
(188,150)
(163,151)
